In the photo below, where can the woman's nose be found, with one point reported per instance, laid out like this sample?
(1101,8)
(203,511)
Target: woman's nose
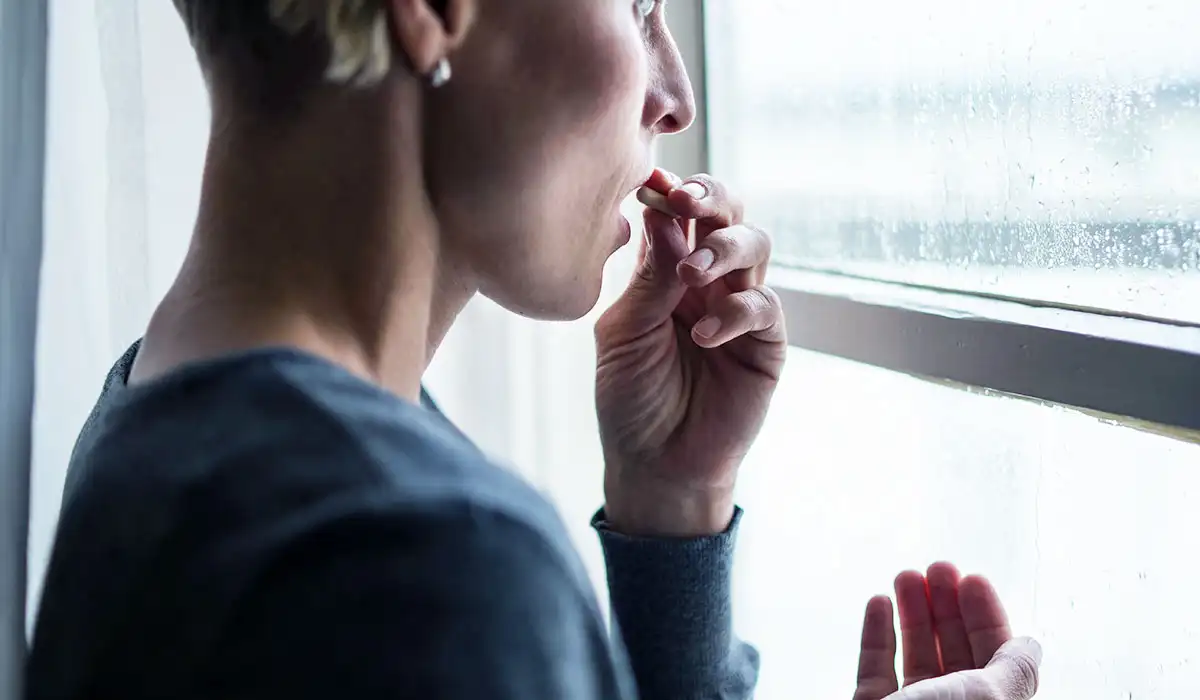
(670,100)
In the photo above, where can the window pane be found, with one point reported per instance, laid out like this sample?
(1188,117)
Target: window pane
(1045,149)
(1090,530)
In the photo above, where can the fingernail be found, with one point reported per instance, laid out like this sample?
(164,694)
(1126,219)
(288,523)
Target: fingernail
(702,260)
(695,190)
(708,327)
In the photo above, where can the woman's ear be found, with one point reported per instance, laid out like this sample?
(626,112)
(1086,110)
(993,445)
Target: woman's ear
(428,31)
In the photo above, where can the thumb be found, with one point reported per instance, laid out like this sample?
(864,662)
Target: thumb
(655,289)
(1013,670)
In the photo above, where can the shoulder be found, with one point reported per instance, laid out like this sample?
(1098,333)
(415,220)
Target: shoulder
(229,463)
(284,500)
(277,429)
(269,446)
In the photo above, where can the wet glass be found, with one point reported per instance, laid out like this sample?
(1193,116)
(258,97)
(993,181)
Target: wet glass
(1088,528)
(1036,149)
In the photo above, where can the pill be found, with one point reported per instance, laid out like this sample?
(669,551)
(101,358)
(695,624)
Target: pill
(656,201)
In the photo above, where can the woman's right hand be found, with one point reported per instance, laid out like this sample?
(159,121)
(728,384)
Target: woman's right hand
(956,639)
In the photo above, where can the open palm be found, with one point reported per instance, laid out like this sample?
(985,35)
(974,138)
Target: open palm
(956,638)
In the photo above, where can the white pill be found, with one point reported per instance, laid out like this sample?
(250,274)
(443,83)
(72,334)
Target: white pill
(656,201)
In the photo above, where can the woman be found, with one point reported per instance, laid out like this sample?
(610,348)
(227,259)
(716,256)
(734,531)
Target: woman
(265,504)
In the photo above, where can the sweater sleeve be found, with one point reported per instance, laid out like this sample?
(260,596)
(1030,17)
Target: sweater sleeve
(672,607)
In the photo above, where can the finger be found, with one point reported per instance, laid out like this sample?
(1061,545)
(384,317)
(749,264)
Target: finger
(738,248)
(948,624)
(655,289)
(704,198)
(916,628)
(877,656)
(1014,669)
(983,617)
(756,312)
(665,247)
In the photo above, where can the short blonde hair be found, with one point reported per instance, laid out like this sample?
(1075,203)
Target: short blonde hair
(352,36)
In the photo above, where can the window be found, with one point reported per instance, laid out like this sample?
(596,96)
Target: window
(987,226)
(1087,527)
(1001,148)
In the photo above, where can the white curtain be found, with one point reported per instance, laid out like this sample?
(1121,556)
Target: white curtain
(128,120)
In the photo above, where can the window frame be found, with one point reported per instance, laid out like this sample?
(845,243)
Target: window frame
(1123,366)
(23,66)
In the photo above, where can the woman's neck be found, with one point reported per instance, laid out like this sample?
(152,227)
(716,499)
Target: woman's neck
(314,240)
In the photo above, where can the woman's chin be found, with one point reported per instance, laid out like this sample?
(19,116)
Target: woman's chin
(575,303)
(568,301)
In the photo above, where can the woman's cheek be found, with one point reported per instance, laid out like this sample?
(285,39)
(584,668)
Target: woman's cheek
(612,59)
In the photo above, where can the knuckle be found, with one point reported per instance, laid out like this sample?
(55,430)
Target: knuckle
(764,239)
(747,244)
(643,274)
(742,306)
(755,301)
(724,243)
(771,296)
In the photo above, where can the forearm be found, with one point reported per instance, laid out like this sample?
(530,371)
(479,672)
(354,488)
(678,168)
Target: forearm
(672,605)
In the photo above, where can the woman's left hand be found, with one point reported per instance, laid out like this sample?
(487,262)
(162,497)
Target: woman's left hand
(956,638)
(687,362)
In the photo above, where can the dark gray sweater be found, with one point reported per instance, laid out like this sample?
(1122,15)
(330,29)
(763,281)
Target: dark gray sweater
(269,526)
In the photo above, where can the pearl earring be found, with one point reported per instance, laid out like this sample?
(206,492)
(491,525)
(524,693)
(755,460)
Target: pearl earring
(441,74)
